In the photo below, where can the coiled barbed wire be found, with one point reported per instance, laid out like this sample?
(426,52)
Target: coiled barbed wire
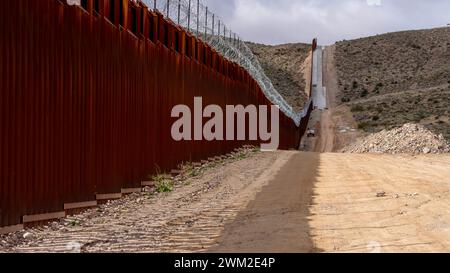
(195,17)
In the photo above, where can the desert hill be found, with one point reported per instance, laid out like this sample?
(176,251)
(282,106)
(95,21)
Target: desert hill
(286,66)
(397,78)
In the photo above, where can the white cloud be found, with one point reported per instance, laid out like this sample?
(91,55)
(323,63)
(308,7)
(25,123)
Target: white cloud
(374,2)
(282,21)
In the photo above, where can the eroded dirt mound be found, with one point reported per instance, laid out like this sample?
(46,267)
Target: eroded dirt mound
(284,64)
(409,139)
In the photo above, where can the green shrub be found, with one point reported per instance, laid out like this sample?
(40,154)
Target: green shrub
(162,183)
(363,126)
(357,108)
(420,117)
(164,186)
(364,93)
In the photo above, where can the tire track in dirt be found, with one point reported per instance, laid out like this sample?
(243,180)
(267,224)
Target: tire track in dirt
(275,202)
(190,219)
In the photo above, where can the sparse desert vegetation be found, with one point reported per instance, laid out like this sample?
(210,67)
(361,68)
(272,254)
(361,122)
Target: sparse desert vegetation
(283,65)
(392,79)
(430,108)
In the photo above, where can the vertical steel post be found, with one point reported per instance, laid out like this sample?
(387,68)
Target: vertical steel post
(168,9)
(154,5)
(206,23)
(198,17)
(179,7)
(189,16)
(213,25)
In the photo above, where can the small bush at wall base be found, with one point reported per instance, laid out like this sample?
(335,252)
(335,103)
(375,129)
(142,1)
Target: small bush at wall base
(164,186)
(162,183)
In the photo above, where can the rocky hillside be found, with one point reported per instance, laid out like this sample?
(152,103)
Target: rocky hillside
(392,79)
(285,66)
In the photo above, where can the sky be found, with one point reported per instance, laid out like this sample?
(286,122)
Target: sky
(289,21)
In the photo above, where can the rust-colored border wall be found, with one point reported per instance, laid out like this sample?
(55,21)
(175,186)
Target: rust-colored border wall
(85,103)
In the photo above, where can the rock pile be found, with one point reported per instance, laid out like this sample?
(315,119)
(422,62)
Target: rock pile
(409,139)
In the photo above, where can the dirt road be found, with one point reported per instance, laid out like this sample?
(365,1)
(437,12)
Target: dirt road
(329,203)
(325,142)
(335,126)
(273,202)
(411,217)
(190,218)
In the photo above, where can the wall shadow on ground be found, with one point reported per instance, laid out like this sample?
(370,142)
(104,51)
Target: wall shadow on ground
(276,221)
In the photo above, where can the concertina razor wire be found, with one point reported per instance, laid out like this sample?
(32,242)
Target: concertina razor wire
(195,17)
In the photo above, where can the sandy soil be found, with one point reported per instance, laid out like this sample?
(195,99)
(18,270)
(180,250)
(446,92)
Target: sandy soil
(276,220)
(329,203)
(273,202)
(190,218)
(347,215)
